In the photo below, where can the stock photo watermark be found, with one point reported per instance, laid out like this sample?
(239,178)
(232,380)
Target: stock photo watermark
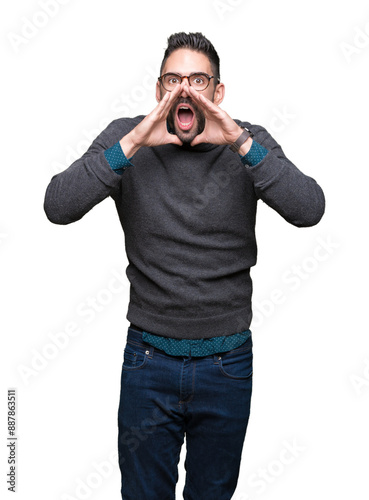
(360,383)
(263,477)
(358,43)
(101,471)
(281,119)
(88,310)
(31,26)
(221,179)
(292,279)
(3,237)
(12,440)
(225,7)
(124,105)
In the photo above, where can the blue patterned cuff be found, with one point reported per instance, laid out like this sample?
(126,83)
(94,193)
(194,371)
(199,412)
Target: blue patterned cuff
(117,159)
(255,155)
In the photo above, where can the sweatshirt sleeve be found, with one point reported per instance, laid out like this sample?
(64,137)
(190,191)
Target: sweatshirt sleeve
(255,154)
(88,181)
(117,159)
(281,185)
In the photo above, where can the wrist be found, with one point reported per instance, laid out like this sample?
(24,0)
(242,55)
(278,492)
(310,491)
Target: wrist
(241,140)
(246,146)
(129,144)
(255,155)
(235,135)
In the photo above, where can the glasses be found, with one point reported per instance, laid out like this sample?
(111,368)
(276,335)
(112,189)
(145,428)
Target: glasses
(199,81)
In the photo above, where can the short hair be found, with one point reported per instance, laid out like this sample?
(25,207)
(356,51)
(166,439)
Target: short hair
(192,41)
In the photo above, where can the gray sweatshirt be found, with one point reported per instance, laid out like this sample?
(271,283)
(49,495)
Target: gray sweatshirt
(188,216)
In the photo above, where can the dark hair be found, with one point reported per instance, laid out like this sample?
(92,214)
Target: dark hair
(193,41)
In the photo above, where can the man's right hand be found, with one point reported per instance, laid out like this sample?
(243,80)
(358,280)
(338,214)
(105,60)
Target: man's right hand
(152,131)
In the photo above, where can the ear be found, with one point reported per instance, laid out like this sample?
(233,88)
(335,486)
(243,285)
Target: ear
(158,91)
(219,93)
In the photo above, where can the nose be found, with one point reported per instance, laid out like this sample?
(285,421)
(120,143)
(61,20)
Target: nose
(184,92)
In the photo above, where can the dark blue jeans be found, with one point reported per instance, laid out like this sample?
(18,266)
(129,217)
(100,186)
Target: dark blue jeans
(163,398)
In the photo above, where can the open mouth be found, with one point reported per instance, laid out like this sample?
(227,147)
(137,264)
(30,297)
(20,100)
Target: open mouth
(185,117)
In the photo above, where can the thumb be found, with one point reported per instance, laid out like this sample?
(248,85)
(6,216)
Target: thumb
(173,139)
(198,139)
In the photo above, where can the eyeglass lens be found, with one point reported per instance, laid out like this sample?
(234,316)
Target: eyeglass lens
(198,81)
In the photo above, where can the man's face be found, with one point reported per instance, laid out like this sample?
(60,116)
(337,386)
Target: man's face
(187,124)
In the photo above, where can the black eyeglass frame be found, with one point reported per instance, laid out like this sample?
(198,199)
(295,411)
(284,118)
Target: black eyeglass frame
(188,79)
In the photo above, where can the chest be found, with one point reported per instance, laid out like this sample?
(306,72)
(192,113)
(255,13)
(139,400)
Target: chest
(200,191)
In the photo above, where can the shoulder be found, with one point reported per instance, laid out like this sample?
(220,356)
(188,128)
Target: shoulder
(122,126)
(116,130)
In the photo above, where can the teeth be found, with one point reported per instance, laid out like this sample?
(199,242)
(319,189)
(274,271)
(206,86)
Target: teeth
(184,125)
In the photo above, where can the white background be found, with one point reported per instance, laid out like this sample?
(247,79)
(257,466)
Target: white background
(298,69)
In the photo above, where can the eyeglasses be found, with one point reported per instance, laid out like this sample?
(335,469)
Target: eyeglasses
(199,81)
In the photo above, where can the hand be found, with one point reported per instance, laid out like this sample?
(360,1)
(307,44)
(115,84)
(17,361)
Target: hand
(152,130)
(220,128)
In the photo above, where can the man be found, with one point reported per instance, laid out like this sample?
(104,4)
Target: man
(186,179)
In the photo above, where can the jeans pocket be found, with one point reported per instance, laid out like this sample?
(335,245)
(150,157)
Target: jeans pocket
(236,364)
(134,357)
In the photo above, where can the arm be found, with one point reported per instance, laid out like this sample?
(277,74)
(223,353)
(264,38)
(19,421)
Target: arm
(279,183)
(98,173)
(89,180)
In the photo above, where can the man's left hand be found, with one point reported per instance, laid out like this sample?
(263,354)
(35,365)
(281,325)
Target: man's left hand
(220,128)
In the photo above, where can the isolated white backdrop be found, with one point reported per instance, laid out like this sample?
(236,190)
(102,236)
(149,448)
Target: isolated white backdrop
(300,70)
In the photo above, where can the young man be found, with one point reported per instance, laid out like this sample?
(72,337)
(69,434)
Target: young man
(186,179)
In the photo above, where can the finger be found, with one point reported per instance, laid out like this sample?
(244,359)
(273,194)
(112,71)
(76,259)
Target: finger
(157,112)
(204,102)
(194,94)
(173,139)
(197,96)
(169,98)
(162,103)
(197,141)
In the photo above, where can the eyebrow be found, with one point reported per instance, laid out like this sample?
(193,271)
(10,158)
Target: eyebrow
(180,74)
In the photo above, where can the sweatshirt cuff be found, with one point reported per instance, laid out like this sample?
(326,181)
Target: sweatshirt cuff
(117,159)
(255,155)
